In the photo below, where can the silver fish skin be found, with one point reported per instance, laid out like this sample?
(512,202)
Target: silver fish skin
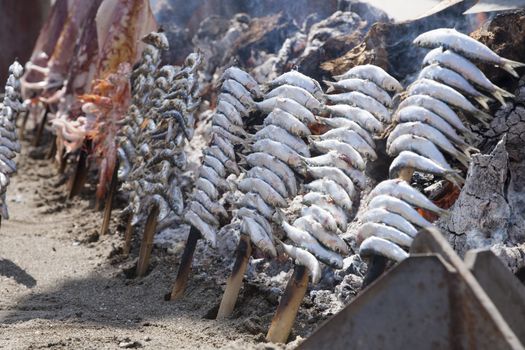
(348,152)
(225,134)
(207,231)
(350,137)
(304,258)
(375,74)
(454,80)
(466,46)
(281,152)
(431,134)
(230,112)
(334,174)
(389,233)
(334,158)
(300,80)
(420,114)
(397,206)
(244,78)
(333,189)
(238,91)
(448,95)
(327,203)
(269,177)
(328,239)
(360,100)
(306,241)
(401,189)
(261,187)
(221,120)
(338,122)
(321,216)
(207,187)
(407,159)
(213,206)
(211,175)
(379,246)
(253,200)
(204,214)
(287,105)
(438,107)
(467,69)
(288,122)
(225,146)
(254,214)
(362,117)
(260,159)
(227,97)
(419,145)
(215,164)
(380,215)
(297,94)
(366,87)
(275,133)
(258,236)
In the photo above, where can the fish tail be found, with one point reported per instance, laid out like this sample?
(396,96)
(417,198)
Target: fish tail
(483,101)
(463,158)
(509,66)
(500,95)
(330,85)
(338,77)
(455,177)
(483,117)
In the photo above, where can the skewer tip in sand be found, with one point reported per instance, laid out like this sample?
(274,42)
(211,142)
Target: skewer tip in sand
(233,286)
(108,205)
(185,264)
(147,241)
(286,312)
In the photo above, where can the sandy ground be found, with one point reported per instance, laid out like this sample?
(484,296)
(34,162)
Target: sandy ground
(64,287)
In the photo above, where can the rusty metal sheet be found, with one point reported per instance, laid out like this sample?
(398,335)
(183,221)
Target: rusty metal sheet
(503,288)
(422,303)
(495,5)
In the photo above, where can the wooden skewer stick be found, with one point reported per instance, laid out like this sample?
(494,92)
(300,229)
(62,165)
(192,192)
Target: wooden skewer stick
(40,129)
(406,174)
(108,206)
(233,286)
(147,241)
(22,129)
(62,163)
(185,264)
(53,149)
(286,312)
(128,235)
(79,177)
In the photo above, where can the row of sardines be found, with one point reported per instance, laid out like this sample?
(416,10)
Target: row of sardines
(430,135)
(288,141)
(159,122)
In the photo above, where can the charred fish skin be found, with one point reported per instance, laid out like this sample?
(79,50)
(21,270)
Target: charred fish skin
(466,46)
